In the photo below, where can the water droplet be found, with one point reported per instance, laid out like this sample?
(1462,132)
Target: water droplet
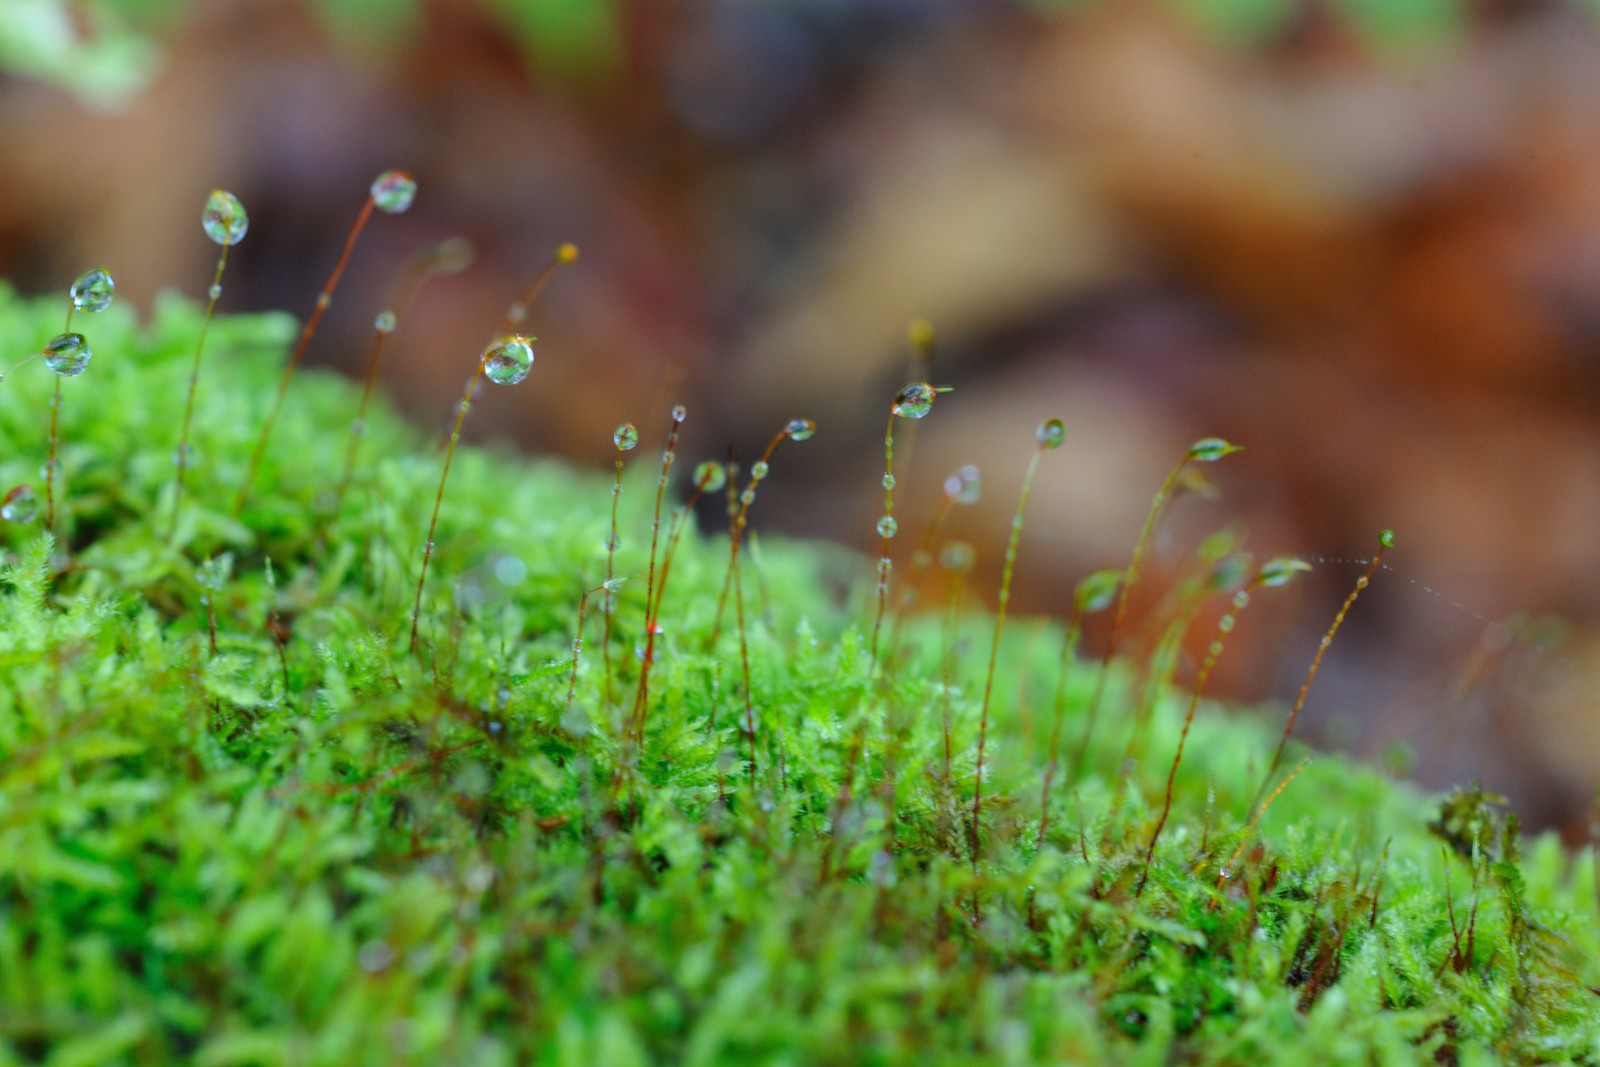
(1211,449)
(611,585)
(393,191)
(887,526)
(612,542)
(92,291)
(215,292)
(800,429)
(914,401)
(626,437)
(510,570)
(957,557)
(384,322)
(375,956)
(507,360)
(224,219)
(888,481)
(1386,539)
(758,469)
(182,455)
(19,505)
(50,468)
(710,476)
(67,354)
(679,413)
(1051,433)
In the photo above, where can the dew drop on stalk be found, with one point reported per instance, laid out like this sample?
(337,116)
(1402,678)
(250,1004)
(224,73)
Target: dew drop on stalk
(710,476)
(215,292)
(758,469)
(957,557)
(67,354)
(887,526)
(965,487)
(224,218)
(888,481)
(626,437)
(19,505)
(800,429)
(384,322)
(393,191)
(92,291)
(506,361)
(679,413)
(1051,433)
(914,401)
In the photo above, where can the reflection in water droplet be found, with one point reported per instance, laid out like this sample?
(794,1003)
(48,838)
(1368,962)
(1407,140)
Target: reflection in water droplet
(758,469)
(507,360)
(1051,433)
(888,481)
(887,526)
(800,429)
(19,505)
(224,218)
(679,413)
(393,191)
(914,401)
(92,291)
(67,354)
(384,322)
(626,437)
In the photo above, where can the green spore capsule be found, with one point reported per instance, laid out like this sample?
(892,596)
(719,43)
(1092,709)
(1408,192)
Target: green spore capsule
(1280,571)
(914,401)
(1098,590)
(393,191)
(20,505)
(507,360)
(67,354)
(1051,433)
(92,291)
(626,438)
(1211,449)
(224,218)
(710,476)
(800,429)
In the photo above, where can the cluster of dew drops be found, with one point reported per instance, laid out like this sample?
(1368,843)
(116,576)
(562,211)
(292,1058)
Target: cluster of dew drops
(67,354)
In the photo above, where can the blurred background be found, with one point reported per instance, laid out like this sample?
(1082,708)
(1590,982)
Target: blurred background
(1360,237)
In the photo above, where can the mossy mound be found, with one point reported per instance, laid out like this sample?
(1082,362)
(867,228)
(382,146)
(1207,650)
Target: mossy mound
(308,845)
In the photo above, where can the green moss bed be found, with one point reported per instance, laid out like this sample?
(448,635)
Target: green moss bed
(307,844)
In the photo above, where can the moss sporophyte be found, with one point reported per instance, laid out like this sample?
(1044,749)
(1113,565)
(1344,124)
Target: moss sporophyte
(269,795)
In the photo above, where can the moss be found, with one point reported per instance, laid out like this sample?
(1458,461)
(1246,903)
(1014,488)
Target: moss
(331,851)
